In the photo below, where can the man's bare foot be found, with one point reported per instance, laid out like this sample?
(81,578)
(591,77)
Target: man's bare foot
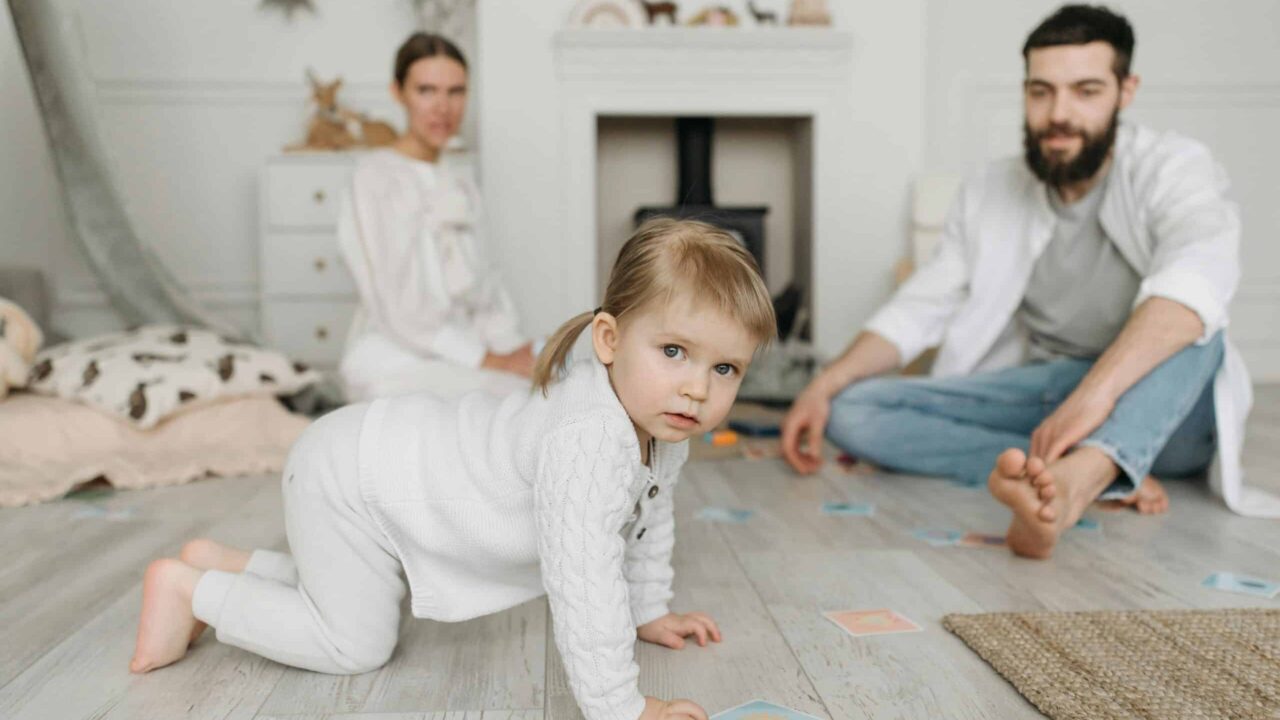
(1150,499)
(205,554)
(1047,499)
(165,628)
(1010,483)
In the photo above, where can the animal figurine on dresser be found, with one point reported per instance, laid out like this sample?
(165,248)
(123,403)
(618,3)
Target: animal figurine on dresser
(334,126)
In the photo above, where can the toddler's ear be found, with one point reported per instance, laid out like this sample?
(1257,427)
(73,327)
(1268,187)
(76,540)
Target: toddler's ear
(604,336)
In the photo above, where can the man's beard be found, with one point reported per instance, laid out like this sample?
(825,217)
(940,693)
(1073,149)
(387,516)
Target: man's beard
(1057,173)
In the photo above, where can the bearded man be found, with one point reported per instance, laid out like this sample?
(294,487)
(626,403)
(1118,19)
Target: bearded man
(1079,297)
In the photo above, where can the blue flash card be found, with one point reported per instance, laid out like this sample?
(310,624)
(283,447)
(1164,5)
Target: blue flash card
(848,509)
(758,709)
(725,515)
(939,538)
(1088,524)
(1230,582)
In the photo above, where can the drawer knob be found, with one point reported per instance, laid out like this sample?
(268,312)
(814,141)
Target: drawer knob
(319,197)
(322,333)
(321,264)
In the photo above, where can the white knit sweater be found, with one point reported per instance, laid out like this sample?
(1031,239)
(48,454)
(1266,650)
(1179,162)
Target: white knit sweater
(490,502)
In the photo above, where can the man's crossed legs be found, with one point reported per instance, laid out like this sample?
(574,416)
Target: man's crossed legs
(979,428)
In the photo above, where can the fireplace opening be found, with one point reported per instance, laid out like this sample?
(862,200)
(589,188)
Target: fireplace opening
(751,176)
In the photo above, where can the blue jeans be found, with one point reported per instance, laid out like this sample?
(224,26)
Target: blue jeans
(956,427)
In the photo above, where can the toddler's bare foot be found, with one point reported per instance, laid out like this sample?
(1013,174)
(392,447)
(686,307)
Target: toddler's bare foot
(1151,498)
(205,554)
(165,628)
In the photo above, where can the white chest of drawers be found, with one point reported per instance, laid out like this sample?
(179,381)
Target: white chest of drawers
(306,293)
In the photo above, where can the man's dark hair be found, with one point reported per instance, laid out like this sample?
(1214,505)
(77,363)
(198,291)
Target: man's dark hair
(1082,24)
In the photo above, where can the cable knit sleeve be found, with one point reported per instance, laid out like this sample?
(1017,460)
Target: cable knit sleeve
(581,503)
(647,566)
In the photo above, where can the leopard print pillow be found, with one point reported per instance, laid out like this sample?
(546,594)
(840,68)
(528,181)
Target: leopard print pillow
(147,374)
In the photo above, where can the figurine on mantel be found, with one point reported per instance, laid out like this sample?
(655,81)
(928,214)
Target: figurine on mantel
(335,127)
(809,12)
(762,17)
(658,10)
(715,16)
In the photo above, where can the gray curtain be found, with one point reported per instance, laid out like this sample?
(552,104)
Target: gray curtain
(139,287)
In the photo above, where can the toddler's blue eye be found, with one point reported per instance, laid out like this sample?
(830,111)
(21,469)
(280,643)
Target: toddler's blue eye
(726,369)
(671,351)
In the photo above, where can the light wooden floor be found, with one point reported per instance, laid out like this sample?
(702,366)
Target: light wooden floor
(70,591)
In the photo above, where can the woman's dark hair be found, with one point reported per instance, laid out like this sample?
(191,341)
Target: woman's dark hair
(424,45)
(1083,24)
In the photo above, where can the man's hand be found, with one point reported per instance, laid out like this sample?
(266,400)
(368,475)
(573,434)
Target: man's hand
(1079,415)
(655,709)
(1156,331)
(671,629)
(517,362)
(803,429)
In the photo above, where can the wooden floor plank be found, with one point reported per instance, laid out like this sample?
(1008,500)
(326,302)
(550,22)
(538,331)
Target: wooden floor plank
(60,584)
(490,663)
(70,596)
(924,674)
(86,673)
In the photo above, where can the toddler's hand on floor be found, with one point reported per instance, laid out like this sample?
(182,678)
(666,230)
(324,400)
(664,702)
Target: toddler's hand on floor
(655,709)
(671,629)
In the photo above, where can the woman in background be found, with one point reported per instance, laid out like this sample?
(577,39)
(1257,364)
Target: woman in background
(433,313)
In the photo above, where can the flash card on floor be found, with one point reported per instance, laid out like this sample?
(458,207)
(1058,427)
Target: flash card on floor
(761,710)
(1088,524)
(939,538)
(973,539)
(847,509)
(1244,584)
(871,622)
(761,450)
(725,515)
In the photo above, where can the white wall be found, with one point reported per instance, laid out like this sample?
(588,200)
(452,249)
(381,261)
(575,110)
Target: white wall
(192,98)
(519,129)
(1209,70)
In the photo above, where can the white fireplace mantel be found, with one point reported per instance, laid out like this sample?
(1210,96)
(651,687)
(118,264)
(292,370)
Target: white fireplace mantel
(783,72)
(684,55)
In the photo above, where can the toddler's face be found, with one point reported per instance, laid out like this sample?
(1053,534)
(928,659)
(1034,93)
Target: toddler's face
(676,368)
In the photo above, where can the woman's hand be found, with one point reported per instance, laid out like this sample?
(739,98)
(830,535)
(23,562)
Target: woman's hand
(519,362)
(655,709)
(671,629)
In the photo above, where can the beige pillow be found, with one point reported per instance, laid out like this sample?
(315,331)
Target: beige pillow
(147,374)
(50,445)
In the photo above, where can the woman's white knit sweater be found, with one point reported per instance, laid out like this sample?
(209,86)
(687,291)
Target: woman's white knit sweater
(490,502)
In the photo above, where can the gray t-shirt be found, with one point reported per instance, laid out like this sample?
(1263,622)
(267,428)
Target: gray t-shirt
(1082,289)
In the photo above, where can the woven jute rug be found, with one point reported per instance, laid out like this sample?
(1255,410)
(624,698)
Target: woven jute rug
(1162,665)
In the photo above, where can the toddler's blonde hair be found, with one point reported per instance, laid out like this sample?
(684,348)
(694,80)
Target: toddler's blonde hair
(664,258)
